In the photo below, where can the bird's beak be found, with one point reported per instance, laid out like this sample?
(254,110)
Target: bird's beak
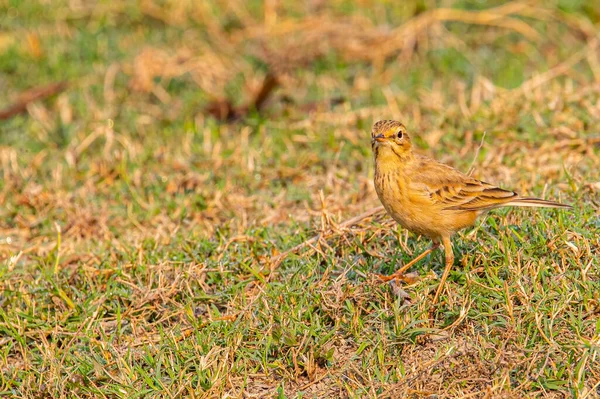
(379,137)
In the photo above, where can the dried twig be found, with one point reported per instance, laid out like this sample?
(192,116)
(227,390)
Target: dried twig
(276,261)
(224,110)
(30,96)
(472,167)
(269,84)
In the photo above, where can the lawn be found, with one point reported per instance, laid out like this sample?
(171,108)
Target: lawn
(192,214)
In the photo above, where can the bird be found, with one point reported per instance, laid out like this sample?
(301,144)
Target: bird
(430,198)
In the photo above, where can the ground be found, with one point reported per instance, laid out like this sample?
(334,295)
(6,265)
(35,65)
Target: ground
(166,231)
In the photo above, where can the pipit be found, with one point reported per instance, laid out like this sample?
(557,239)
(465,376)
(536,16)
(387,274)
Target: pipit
(430,198)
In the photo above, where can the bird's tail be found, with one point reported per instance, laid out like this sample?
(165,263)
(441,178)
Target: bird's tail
(536,202)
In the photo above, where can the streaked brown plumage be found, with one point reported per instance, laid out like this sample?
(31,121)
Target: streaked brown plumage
(430,198)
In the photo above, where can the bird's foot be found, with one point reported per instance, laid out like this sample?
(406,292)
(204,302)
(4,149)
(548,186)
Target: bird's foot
(400,275)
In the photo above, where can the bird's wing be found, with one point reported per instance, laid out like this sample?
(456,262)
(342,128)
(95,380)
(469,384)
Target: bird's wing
(450,189)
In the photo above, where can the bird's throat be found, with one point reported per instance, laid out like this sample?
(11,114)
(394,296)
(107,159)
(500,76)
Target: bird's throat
(390,158)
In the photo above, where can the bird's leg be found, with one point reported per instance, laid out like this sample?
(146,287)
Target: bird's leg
(449,262)
(400,272)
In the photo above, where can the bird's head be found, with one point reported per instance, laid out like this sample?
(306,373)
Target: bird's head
(390,134)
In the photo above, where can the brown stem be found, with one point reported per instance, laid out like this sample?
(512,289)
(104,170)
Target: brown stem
(37,93)
(276,261)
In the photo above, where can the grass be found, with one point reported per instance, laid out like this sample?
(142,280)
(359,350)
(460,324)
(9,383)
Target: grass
(139,236)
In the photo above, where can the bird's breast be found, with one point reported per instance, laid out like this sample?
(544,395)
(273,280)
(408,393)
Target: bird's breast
(406,207)
(392,190)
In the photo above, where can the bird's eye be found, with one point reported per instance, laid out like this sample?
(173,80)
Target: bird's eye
(399,134)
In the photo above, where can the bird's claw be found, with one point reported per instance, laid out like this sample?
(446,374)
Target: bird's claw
(407,278)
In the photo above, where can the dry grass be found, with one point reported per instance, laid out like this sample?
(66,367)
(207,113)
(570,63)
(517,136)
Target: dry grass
(149,250)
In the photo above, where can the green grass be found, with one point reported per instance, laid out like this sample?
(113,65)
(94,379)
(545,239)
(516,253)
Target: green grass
(138,235)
